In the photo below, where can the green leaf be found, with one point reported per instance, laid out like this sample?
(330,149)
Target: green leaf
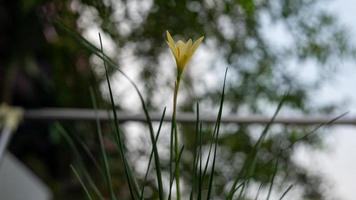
(218,122)
(128,172)
(81,182)
(102,148)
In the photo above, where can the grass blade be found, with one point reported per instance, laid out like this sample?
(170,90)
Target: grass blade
(128,174)
(81,183)
(178,160)
(217,136)
(108,61)
(258,191)
(209,153)
(83,146)
(272,180)
(71,144)
(102,148)
(249,166)
(241,185)
(317,128)
(200,183)
(151,154)
(112,64)
(285,192)
(196,155)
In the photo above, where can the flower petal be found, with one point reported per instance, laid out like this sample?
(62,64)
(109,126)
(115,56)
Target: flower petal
(182,51)
(188,46)
(180,48)
(172,44)
(170,39)
(196,44)
(173,50)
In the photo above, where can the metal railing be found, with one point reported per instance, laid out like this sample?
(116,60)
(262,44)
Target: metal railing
(53,114)
(103,115)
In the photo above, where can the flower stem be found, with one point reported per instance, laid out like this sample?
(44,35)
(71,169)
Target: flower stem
(174,139)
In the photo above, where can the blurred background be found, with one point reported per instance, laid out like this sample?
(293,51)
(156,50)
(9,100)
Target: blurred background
(303,47)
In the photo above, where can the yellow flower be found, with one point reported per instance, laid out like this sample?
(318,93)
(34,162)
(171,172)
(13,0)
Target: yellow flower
(182,51)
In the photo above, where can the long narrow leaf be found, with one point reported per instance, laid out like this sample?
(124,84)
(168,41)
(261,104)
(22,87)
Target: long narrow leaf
(308,134)
(102,148)
(196,154)
(218,121)
(81,183)
(83,146)
(285,192)
(112,64)
(151,154)
(209,151)
(84,171)
(241,185)
(133,190)
(272,180)
(179,157)
(200,180)
(249,166)
(258,191)
(108,61)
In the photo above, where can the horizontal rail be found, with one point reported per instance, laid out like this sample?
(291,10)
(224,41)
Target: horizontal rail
(89,114)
